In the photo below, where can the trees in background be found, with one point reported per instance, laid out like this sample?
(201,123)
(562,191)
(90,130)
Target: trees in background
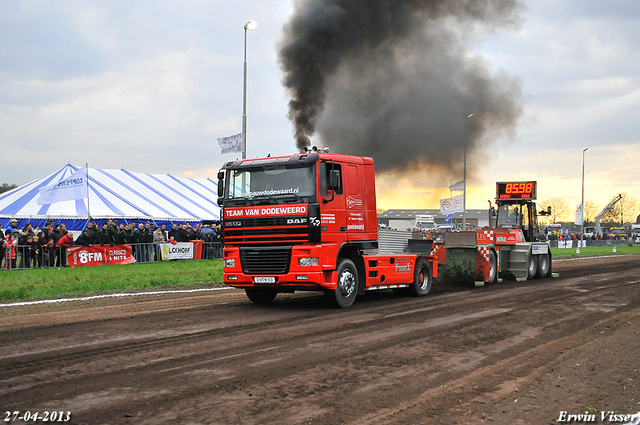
(7,187)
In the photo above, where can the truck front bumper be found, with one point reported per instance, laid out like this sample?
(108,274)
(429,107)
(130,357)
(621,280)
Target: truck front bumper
(305,271)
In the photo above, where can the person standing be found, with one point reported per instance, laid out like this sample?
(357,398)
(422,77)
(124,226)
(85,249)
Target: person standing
(49,251)
(65,241)
(13,225)
(2,249)
(121,235)
(11,245)
(174,232)
(38,250)
(147,240)
(158,238)
(85,239)
(104,235)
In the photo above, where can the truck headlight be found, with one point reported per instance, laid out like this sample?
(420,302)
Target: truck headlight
(307,262)
(229,262)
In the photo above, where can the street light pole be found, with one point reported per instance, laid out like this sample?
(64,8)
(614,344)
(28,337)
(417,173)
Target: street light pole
(582,205)
(251,25)
(464,194)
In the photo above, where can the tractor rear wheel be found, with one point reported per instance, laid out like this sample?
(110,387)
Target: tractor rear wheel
(544,266)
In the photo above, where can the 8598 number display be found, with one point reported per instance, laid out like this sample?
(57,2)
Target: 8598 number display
(516,190)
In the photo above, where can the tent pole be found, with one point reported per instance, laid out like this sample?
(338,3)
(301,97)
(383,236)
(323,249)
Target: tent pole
(86,168)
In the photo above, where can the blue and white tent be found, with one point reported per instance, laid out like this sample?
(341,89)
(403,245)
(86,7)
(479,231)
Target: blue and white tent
(115,194)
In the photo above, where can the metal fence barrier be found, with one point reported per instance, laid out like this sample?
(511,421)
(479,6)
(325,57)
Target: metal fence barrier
(597,242)
(23,257)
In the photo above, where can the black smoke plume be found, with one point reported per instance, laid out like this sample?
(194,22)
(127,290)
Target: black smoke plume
(394,79)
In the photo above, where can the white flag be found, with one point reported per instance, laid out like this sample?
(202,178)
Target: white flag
(233,143)
(579,215)
(457,187)
(451,205)
(74,187)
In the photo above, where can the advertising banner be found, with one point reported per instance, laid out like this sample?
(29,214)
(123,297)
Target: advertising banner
(178,251)
(97,255)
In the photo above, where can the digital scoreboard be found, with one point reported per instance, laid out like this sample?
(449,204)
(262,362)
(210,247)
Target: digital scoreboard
(516,190)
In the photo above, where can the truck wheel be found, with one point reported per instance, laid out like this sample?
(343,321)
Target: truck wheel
(533,266)
(261,295)
(347,287)
(544,266)
(422,279)
(493,268)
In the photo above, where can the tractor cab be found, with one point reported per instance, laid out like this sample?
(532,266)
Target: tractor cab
(516,208)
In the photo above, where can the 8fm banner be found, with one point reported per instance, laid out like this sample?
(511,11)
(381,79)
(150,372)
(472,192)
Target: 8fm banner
(97,255)
(178,251)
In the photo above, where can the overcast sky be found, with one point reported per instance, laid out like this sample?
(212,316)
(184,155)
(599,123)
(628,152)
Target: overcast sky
(149,86)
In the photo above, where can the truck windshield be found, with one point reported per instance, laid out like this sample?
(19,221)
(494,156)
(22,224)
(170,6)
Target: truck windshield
(271,184)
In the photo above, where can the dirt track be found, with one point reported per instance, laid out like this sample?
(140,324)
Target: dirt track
(512,353)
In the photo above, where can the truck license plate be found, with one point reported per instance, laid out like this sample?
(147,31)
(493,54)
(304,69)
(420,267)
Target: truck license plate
(263,279)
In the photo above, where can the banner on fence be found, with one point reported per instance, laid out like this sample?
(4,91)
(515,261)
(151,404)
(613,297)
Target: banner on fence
(97,255)
(178,251)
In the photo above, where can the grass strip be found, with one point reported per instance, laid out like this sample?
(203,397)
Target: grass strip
(36,284)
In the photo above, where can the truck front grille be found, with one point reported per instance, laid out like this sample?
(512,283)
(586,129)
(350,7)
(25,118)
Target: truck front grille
(265,260)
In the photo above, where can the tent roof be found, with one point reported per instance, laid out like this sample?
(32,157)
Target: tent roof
(119,193)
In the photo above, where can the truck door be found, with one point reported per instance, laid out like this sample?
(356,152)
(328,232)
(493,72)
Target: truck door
(353,185)
(332,202)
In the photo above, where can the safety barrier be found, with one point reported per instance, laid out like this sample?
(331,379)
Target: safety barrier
(589,243)
(20,257)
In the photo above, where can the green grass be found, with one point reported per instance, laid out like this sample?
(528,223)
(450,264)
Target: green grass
(595,250)
(34,284)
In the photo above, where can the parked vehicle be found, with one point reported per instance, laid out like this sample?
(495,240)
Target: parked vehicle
(619,233)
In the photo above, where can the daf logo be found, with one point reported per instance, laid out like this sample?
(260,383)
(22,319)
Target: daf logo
(297,220)
(233,223)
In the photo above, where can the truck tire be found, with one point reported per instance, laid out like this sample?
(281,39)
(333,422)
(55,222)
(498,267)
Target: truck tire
(493,268)
(422,279)
(261,295)
(532,268)
(544,266)
(347,286)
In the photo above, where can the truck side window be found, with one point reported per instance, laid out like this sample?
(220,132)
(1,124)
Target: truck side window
(325,176)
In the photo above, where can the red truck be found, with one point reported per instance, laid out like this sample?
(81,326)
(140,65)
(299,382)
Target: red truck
(308,222)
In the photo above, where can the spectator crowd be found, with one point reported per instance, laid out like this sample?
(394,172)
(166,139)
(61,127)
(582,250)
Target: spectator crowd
(47,247)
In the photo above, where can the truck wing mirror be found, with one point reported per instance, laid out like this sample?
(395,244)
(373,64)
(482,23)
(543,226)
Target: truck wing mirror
(220,185)
(549,210)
